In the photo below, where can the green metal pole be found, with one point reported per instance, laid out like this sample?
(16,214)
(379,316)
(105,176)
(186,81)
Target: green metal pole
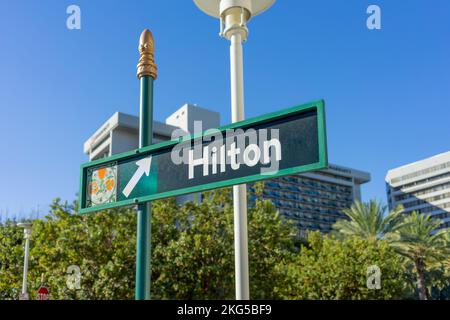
(144,214)
(146,75)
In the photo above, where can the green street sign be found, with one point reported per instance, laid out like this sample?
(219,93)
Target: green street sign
(282,143)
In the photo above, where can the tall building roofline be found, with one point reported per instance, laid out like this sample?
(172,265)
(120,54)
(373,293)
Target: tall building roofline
(123,120)
(361,176)
(417,165)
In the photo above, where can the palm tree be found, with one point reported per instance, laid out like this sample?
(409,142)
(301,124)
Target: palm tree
(419,241)
(368,221)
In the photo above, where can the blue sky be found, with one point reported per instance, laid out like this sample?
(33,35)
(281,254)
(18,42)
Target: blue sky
(387,91)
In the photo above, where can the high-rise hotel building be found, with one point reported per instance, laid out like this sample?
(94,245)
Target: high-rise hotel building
(313,200)
(422,186)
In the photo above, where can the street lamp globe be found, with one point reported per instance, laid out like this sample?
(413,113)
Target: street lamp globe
(25,225)
(234,14)
(26,228)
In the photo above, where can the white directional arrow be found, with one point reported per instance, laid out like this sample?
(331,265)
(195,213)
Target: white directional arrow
(144,167)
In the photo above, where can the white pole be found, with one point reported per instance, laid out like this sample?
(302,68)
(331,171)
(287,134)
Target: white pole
(239,191)
(234,15)
(237,78)
(27,233)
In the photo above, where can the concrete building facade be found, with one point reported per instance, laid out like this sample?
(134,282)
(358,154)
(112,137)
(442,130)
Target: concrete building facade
(422,186)
(315,200)
(120,133)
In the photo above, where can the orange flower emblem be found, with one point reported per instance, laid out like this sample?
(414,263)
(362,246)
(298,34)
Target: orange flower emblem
(102,173)
(110,184)
(94,187)
(103,187)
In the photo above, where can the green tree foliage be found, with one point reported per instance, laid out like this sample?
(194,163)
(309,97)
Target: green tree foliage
(197,260)
(11,260)
(419,241)
(412,236)
(368,221)
(330,268)
(193,254)
(101,244)
(192,251)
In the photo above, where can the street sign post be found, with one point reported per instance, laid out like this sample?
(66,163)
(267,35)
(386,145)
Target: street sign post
(282,143)
(146,73)
(43,293)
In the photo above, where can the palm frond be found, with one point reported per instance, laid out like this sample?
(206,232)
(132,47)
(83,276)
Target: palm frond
(368,220)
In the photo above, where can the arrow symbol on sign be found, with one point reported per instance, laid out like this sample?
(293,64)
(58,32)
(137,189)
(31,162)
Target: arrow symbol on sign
(144,168)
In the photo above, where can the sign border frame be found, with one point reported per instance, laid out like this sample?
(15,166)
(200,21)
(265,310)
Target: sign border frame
(321,164)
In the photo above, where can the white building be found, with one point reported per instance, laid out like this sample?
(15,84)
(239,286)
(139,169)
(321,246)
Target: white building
(120,133)
(422,186)
(314,200)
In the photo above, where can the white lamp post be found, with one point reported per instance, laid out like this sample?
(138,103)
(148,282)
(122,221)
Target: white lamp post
(234,15)
(27,235)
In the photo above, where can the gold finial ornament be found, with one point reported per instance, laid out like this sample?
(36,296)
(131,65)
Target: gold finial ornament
(147,65)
